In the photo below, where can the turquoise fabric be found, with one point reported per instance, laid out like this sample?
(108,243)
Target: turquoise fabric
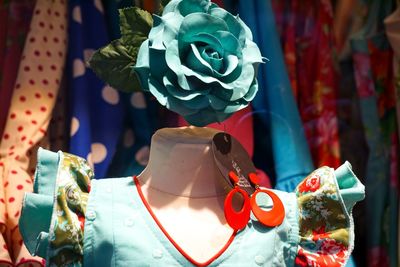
(274,104)
(119,230)
(38,206)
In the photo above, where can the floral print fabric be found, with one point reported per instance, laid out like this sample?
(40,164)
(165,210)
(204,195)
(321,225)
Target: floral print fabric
(325,227)
(72,191)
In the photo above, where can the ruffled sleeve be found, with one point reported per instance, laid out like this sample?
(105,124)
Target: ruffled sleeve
(52,216)
(325,199)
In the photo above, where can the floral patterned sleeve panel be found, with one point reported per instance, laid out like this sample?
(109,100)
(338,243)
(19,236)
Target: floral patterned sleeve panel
(62,185)
(325,199)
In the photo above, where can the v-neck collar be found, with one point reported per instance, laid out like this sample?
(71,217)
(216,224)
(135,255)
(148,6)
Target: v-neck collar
(170,244)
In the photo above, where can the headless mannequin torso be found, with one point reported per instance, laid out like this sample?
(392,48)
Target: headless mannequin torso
(186,192)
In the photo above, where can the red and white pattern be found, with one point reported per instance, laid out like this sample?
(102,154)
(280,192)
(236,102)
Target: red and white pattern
(36,88)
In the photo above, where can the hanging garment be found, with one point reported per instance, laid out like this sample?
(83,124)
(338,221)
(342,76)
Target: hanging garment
(392,24)
(274,107)
(306,29)
(109,222)
(14,15)
(373,62)
(33,99)
(96,110)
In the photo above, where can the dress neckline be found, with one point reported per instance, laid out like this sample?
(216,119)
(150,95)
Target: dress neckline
(154,220)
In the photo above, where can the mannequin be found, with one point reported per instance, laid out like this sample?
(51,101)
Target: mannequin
(186,191)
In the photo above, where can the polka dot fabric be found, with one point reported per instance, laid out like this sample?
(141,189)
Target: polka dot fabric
(96,108)
(36,87)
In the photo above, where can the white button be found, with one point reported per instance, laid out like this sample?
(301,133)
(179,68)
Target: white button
(129,222)
(157,254)
(260,260)
(91,215)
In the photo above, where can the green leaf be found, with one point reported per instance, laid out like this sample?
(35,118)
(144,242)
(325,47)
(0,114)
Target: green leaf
(135,25)
(114,65)
(114,62)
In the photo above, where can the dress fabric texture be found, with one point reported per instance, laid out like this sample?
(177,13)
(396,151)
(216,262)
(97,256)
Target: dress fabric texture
(33,99)
(307,39)
(373,64)
(106,222)
(274,105)
(96,108)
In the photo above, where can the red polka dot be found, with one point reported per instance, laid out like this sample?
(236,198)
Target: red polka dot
(17,86)
(32,39)
(16,157)
(6,136)
(49,11)
(2,200)
(53,67)
(14,172)
(5,246)
(5,216)
(16,214)
(12,147)
(30,142)
(41,24)
(57,13)
(20,128)
(37,12)
(22,98)
(11,199)
(43,109)
(50,95)
(51,26)
(32,82)
(5,184)
(57,81)
(26,68)
(1,164)
(62,27)
(11,153)
(60,54)
(48,53)
(37,53)
(34,122)
(12,116)
(45,39)
(28,181)
(56,40)
(37,95)
(20,187)
(42,131)
(28,112)
(40,68)
(23,138)
(45,82)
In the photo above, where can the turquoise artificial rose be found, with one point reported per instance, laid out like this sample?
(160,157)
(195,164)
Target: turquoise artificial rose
(199,61)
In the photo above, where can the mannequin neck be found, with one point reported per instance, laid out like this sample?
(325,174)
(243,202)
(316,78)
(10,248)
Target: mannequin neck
(181,163)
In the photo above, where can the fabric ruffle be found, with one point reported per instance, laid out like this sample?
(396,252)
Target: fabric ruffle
(325,199)
(53,215)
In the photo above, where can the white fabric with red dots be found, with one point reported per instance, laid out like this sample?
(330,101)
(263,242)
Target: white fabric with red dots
(36,88)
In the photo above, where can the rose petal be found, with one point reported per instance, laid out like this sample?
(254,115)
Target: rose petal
(235,27)
(179,93)
(252,91)
(177,106)
(186,7)
(196,62)
(142,67)
(175,65)
(199,23)
(158,91)
(158,65)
